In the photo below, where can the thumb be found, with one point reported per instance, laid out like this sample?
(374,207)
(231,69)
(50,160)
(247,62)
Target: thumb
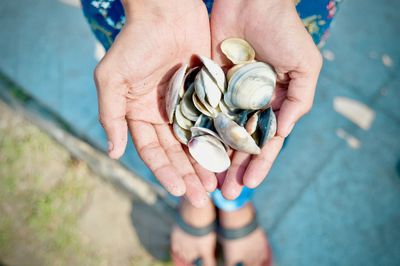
(112,110)
(217,54)
(298,101)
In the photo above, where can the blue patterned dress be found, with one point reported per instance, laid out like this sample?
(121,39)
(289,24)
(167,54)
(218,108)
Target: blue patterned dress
(106,18)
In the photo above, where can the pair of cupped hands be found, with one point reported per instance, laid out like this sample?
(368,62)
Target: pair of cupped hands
(132,80)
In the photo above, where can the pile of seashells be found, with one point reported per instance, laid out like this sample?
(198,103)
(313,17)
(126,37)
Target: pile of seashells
(212,112)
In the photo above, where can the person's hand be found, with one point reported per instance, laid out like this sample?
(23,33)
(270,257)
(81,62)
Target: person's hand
(132,80)
(279,38)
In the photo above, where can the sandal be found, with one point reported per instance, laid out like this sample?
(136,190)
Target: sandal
(232,234)
(194,231)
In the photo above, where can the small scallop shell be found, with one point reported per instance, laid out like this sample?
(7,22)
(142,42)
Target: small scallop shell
(216,72)
(174,89)
(251,87)
(234,135)
(238,51)
(209,153)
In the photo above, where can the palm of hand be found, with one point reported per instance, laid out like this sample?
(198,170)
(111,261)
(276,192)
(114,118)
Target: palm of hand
(296,61)
(147,54)
(142,60)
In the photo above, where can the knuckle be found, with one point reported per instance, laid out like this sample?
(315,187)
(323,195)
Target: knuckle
(318,59)
(98,71)
(102,120)
(307,108)
(101,75)
(175,148)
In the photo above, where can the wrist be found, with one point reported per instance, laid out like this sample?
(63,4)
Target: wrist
(240,5)
(160,9)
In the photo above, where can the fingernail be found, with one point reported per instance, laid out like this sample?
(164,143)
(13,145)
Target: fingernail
(110,146)
(290,128)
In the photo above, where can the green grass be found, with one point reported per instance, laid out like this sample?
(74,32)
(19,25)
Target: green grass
(42,191)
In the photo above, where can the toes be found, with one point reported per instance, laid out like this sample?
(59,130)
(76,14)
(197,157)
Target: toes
(209,260)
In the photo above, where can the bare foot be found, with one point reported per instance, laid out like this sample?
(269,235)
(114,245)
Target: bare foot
(189,248)
(249,250)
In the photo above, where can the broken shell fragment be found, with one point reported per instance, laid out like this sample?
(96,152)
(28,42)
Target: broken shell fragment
(174,89)
(238,51)
(209,153)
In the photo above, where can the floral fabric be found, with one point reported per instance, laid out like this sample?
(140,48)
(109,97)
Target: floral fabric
(106,17)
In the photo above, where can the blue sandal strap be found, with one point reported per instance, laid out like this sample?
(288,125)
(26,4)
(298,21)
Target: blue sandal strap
(195,231)
(232,234)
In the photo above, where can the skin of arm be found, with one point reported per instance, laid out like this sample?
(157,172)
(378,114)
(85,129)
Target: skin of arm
(279,38)
(132,80)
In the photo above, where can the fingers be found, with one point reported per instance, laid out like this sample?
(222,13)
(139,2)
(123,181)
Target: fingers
(149,149)
(112,104)
(218,35)
(233,183)
(207,178)
(209,259)
(260,165)
(299,98)
(195,191)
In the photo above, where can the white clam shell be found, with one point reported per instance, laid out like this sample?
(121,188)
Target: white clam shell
(251,124)
(206,88)
(174,89)
(238,51)
(209,153)
(187,107)
(204,108)
(251,87)
(205,126)
(182,121)
(216,72)
(266,126)
(181,134)
(226,110)
(232,71)
(234,135)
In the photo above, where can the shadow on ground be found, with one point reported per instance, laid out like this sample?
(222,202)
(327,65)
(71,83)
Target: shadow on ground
(153,229)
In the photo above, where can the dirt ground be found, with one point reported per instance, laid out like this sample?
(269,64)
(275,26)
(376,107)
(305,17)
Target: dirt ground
(54,210)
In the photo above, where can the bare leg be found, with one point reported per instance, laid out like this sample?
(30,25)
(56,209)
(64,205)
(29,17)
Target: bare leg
(189,247)
(251,249)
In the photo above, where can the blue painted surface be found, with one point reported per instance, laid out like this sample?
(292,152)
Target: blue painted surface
(323,203)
